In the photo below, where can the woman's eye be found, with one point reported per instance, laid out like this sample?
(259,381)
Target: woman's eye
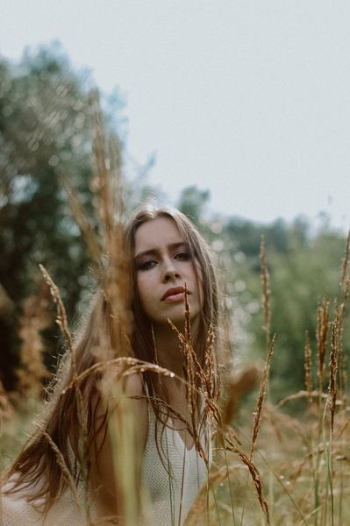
(146,265)
(183,256)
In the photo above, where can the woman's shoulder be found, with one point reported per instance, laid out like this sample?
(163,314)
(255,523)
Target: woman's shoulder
(124,395)
(137,402)
(125,384)
(134,385)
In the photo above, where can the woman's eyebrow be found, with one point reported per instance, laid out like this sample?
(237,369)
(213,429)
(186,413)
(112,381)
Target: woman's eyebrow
(150,252)
(155,251)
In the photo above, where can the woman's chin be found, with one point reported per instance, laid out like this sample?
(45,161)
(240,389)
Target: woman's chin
(178,321)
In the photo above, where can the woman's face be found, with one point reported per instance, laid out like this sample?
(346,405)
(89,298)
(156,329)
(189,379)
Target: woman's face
(163,264)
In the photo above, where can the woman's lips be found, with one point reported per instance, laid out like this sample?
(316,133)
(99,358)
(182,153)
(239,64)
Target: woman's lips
(173,298)
(174,294)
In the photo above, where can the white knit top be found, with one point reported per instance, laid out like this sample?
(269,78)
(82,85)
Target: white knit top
(174,483)
(17,511)
(172,487)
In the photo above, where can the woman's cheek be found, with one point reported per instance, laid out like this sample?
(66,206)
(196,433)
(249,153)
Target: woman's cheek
(143,288)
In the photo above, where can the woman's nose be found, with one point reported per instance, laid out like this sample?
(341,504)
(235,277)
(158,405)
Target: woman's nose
(170,271)
(171,275)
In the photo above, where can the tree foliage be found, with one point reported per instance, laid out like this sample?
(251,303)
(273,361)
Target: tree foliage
(44,132)
(304,268)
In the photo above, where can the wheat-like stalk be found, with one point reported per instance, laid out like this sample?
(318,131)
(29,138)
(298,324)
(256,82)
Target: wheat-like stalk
(61,319)
(261,396)
(333,367)
(63,466)
(237,386)
(265,281)
(299,396)
(84,224)
(230,445)
(322,341)
(308,368)
(101,183)
(345,292)
(345,261)
(62,322)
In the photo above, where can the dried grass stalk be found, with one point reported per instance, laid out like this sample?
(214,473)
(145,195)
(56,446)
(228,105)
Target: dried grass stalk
(298,396)
(308,368)
(61,318)
(265,281)
(230,445)
(114,280)
(221,474)
(62,322)
(345,292)
(84,224)
(261,396)
(345,261)
(135,366)
(109,188)
(196,378)
(333,368)
(100,184)
(322,341)
(64,468)
(237,386)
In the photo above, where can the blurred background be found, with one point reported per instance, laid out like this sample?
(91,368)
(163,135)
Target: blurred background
(237,113)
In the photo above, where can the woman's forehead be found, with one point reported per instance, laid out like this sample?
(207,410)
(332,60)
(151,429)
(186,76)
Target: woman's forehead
(158,232)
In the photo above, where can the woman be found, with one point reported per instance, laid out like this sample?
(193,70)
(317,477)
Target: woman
(138,435)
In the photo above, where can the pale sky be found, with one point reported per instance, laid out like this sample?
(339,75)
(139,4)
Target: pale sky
(249,99)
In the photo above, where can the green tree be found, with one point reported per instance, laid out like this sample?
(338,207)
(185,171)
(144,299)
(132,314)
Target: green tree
(192,202)
(44,131)
(304,267)
(299,279)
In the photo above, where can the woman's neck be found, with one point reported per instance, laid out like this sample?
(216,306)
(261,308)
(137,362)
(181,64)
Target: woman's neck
(168,349)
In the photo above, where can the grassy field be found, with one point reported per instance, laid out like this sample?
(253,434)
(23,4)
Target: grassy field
(303,465)
(271,464)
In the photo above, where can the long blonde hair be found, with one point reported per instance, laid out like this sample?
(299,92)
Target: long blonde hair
(37,468)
